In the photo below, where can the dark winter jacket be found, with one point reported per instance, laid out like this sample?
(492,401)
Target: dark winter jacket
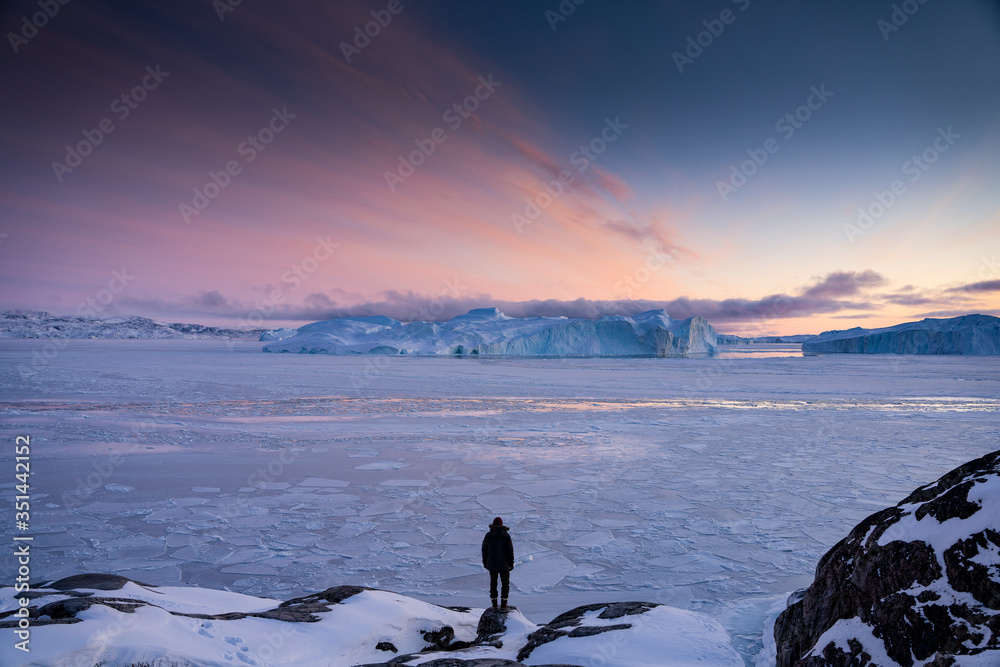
(498,550)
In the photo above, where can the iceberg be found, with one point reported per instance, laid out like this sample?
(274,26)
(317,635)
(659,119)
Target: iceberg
(487,331)
(968,334)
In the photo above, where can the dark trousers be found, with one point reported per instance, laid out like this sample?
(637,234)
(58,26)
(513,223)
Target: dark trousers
(504,579)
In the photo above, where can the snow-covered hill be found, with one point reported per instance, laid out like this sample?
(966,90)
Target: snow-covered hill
(968,334)
(487,331)
(39,324)
(113,621)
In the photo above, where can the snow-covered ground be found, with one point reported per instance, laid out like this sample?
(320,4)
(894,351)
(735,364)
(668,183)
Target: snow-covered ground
(122,623)
(708,484)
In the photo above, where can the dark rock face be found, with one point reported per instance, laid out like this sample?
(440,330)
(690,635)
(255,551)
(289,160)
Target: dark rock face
(492,622)
(101,582)
(296,610)
(66,610)
(443,640)
(454,662)
(918,603)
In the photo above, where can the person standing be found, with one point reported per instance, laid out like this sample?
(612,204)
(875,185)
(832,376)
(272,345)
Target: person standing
(498,558)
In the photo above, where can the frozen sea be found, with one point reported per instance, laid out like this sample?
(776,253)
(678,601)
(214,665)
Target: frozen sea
(707,484)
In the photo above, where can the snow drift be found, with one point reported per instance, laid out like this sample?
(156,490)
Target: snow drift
(487,331)
(968,334)
(111,620)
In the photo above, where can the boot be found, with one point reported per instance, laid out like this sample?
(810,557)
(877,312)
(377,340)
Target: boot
(494,602)
(503,604)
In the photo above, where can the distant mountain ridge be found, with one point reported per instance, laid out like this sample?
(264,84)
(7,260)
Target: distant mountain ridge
(487,331)
(40,324)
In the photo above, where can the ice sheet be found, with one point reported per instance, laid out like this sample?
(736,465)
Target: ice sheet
(712,484)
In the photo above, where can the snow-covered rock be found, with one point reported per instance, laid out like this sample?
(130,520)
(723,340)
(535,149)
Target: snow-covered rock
(110,620)
(39,324)
(914,584)
(487,331)
(968,334)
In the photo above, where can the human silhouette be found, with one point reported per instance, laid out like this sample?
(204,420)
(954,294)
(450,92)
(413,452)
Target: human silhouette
(498,558)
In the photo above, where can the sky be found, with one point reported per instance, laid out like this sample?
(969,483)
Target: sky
(773,167)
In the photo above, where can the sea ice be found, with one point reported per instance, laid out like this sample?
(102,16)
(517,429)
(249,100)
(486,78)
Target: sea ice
(791,453)
(595,539)
(503,503)
(322,482)
(203,553)
(541,572)
(383,507)
(382,465)
(118,488)
(405,482)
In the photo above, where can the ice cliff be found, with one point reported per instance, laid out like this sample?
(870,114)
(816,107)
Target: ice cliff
(968,334)
(487,331)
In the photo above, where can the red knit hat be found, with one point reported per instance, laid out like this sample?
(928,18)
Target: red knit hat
(497,521)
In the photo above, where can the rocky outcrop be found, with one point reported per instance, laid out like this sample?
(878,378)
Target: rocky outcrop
(571,623)
(918,583)
(120,621)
